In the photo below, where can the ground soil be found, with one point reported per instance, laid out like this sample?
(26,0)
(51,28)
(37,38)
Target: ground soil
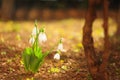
(11,68)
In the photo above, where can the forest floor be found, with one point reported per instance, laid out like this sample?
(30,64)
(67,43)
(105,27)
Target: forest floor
(14,37)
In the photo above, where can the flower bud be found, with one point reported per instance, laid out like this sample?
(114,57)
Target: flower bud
(57,56)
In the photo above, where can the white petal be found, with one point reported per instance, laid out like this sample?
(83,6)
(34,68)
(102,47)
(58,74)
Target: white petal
(42,37)
(34,31)
(57,56)
(63,50)
(31,41)
(60,47)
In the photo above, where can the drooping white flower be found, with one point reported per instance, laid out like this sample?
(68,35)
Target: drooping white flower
(60,47)
(57,56)
(32,40)
(42,37)
(34,31)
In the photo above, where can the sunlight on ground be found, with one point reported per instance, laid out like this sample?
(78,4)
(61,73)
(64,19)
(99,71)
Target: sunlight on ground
(98,29)
(69,29)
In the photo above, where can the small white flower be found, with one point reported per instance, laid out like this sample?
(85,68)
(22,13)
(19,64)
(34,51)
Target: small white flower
(32,40)
(42,37)
(60,47)
(34,31)
(57,56)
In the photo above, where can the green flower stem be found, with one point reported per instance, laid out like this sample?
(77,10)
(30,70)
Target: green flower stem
(33,57)
(35,45)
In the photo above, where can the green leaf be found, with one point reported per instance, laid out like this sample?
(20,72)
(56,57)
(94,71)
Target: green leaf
(37,60)
(38,52)
(46,53)
(35,63)
(26,57)
(28,50)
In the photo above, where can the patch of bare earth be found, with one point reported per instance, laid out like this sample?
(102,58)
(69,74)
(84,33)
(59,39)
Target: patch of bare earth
(11,67)
(75,66)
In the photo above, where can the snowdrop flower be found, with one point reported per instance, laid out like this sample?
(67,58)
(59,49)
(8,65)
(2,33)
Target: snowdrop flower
(42,37)
(34,31)
(57,56)
(32,40)
(60,46)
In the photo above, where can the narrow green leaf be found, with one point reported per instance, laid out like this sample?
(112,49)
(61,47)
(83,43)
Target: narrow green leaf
(38,52)
(35,63)
(26,57)
(28,50)
(46,53)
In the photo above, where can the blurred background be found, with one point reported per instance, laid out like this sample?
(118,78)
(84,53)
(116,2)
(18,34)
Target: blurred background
(61,19)
(18,16)
(48,9)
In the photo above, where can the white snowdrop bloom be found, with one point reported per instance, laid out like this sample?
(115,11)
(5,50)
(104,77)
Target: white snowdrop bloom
(57,56)
(60,47)
(32,40)
(42,37)
(34,31)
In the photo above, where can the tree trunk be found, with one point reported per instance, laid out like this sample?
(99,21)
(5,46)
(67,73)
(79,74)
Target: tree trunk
(106,53)
(98,71)
(7,9)
(88,41)
(118,21)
